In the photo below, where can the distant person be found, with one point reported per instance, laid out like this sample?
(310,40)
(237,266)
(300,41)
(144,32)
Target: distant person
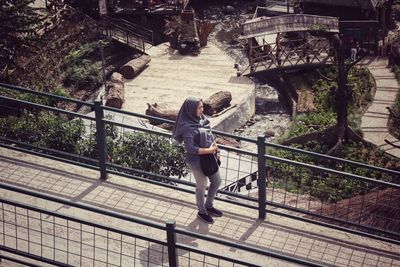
(354,50)
(193,129)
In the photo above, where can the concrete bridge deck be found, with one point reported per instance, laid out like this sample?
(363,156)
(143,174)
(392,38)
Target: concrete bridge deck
(279,234)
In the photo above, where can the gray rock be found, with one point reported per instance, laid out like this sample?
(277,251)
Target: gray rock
(269,133)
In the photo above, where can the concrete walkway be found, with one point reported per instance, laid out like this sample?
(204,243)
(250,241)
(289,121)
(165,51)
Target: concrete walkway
(143,200)
(375,120)
(170,78)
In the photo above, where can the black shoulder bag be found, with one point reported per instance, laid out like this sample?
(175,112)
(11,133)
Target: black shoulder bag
(209,164)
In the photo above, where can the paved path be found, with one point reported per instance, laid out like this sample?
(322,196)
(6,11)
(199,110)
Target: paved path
(170,78)
(374,122)
(239,224)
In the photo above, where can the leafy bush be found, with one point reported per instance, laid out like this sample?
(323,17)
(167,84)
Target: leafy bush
(315,121)
(79,66)
(151,153)
(145,152)
(83,73)
(43,129)
(323,185)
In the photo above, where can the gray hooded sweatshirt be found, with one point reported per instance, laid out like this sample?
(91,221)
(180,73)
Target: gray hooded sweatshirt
(193,131)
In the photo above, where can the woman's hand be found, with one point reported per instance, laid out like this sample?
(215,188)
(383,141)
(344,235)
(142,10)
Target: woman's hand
(211,150)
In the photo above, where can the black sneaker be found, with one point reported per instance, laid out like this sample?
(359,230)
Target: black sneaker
(205,217)
(215,212)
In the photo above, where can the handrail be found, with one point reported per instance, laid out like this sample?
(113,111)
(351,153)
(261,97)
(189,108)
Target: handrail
(251,140)
(106,166)
(61,98)
(30,104)
(129,29)
(142,31)
(139,221)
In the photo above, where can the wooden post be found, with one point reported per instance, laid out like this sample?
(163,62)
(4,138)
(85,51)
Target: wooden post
(278,48)
(251,61)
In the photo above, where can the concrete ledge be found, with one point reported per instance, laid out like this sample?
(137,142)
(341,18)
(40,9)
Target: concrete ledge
(240,115)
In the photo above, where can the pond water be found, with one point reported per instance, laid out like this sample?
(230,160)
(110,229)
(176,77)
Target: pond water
(271,115)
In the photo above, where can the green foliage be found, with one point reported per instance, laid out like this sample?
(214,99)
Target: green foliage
(151,153)
(34,98)
(360,86)
(79,69)
(83,74)
(20,22)
(307,123)
(43,129)
(145,152)
(323,185)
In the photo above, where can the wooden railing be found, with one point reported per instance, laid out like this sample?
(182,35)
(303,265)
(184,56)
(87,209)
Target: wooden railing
(293,52)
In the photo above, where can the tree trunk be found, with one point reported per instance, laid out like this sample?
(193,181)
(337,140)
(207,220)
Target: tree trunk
(115,92)
(217,102)
(133,67)
(342,94)
(160,112)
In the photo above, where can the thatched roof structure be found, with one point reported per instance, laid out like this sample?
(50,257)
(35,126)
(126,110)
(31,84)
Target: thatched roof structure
(289,23)
(364,4)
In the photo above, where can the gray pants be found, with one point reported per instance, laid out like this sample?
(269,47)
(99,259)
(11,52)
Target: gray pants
(201,183)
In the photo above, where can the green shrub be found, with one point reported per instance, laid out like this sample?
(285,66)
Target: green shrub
(155,154)
(135,150)
(43,129)
(83,74)
(145,152)
(323,185)
(310,122)
(80,67)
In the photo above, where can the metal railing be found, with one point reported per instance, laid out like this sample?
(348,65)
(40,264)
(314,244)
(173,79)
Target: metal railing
(122,34)
(291,182)
(132,27)
(55,238)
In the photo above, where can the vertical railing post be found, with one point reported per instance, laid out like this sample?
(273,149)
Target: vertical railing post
(171,242)
(101,138)
(261,181)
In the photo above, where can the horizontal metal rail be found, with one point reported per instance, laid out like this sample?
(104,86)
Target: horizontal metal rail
(30,91)
(246,247)
(274,205)
(169,182)
(327,157)
(139,30)
(64,156)
(40,106)
(150,131)
(82,206)
(254,141)
(323,169)
(221,257)
(139,221)
(79,220)
(134,114)
(28,255)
